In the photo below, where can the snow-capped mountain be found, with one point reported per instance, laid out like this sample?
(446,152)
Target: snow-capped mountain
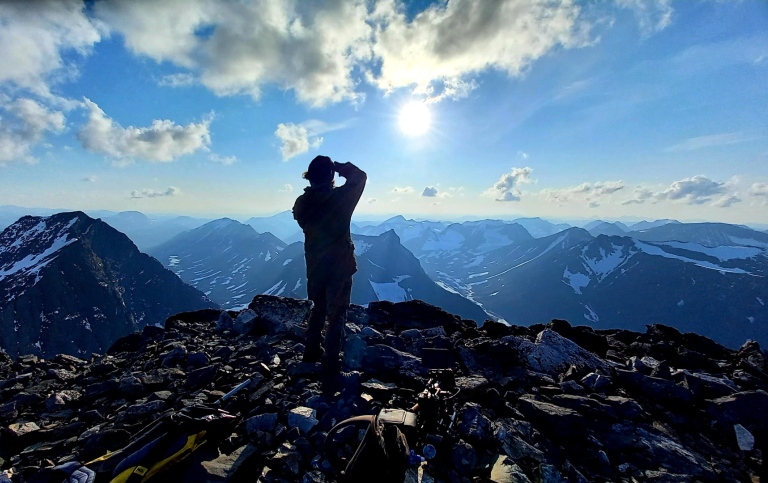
(405,229)
(72,284)
(609,281)
(224,258)
(146,232)
(465,244)
(706,234)
(386,271)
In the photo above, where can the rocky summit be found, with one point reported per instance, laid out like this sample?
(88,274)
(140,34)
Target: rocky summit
(545,403)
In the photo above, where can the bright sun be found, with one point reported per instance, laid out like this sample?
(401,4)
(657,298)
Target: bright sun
(415,118)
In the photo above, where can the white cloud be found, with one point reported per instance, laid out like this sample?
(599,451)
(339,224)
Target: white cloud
(177,80)
(287,188)
(150,193)
(432,192)
(652,15)
(587,192)
(239,47)
(429,191)
(759,189)
(225,160)
(402,189)
(712,140)
(163,141)
(25,124)
(606,188)
(247,44)
(371,200)
(693,191)
(641,195)
(506,188)
(90,179)
(522,154)
(33,35)
(316,126)
(451,41)
(727,200)
(296,140)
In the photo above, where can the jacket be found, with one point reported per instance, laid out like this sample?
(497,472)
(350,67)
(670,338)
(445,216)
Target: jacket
(324,214)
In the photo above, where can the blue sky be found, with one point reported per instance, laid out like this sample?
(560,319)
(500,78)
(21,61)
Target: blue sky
(645,109)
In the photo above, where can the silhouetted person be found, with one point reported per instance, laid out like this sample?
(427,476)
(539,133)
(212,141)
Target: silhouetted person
(324,213)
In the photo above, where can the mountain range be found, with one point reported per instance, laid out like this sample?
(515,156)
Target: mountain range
(708,278)
(231,263)
(72,284)
(705,278)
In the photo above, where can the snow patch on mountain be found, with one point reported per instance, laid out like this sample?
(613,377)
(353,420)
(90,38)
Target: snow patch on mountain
(723,252)
(361,247)
(391,291)
(449,240)
(276,289)
(591,315)
(577,280)
(22,270)
(606,263)
(659,252)
(748,242)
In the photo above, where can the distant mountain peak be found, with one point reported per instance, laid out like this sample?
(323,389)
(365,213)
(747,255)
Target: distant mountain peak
(73,284)
(396,219)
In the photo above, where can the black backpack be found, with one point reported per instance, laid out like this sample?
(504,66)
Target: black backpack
(381,456)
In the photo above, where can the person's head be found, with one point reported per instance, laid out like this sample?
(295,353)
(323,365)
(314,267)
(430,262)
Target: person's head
(320,171)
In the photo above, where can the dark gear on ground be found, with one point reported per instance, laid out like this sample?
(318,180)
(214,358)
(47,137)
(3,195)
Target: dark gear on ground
(324,213)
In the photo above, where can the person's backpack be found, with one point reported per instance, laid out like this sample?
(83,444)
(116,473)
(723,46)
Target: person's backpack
(71,472)
(381,456)
(162,444)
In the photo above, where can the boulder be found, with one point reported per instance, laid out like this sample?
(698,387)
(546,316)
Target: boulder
(553,354)
(280,315)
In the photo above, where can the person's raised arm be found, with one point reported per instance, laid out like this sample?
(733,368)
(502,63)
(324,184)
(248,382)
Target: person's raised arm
(354,185)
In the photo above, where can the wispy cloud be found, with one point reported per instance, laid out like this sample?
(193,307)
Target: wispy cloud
(759,189)
(90,179)
(403,189)
(712,140)
(177,80)
(652,15)
(590,193)
(225,160)
(25,126)
(150,193)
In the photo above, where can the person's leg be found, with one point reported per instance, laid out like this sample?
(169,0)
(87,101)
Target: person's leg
(316,292)
(338,295)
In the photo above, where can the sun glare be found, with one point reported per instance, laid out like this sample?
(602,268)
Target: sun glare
(415,118)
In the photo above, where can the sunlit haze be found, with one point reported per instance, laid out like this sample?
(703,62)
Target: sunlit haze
(503,109)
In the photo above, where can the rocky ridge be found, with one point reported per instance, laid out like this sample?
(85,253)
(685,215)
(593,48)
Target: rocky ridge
(547,403)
